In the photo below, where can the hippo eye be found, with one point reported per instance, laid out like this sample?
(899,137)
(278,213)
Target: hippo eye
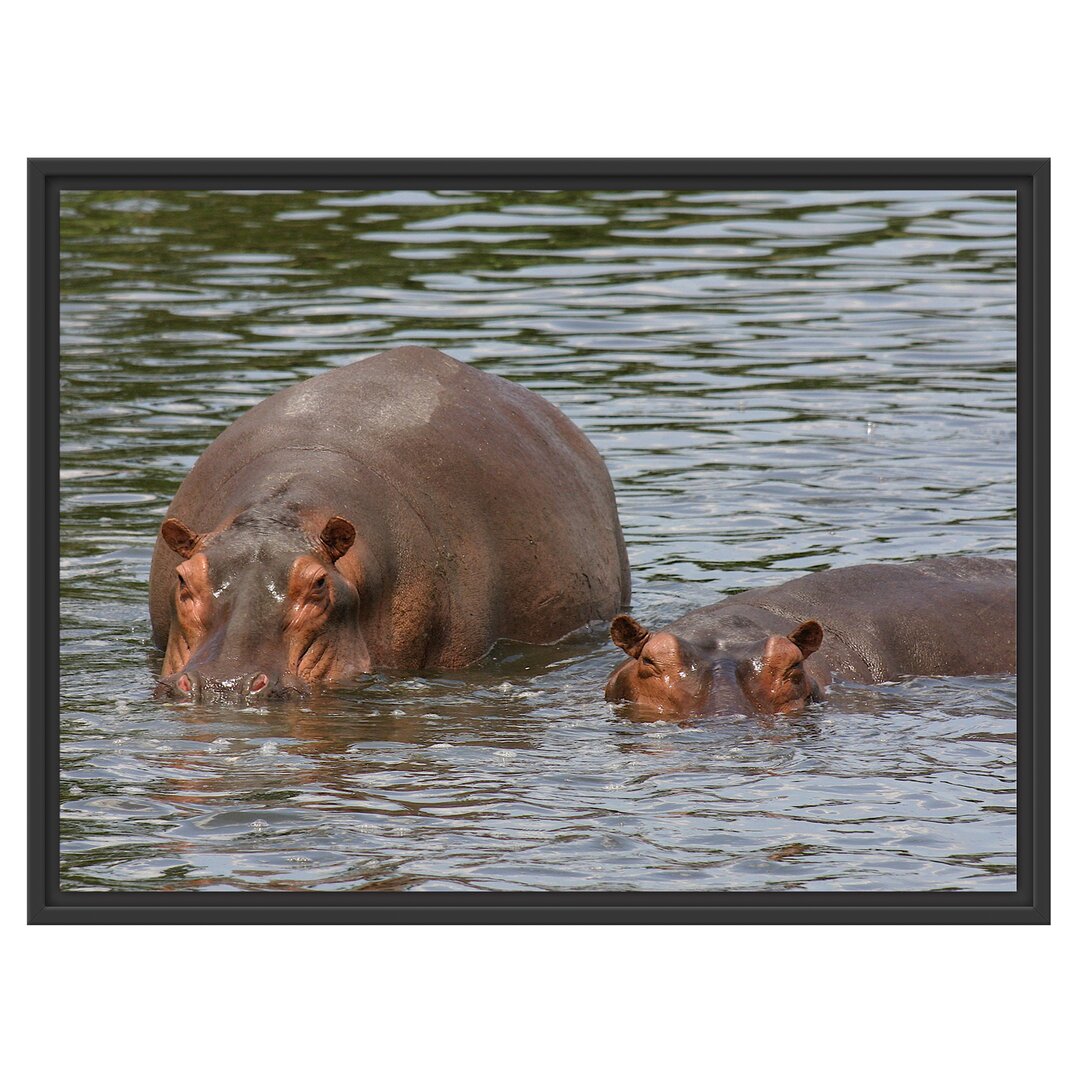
(320,581)
(180,578)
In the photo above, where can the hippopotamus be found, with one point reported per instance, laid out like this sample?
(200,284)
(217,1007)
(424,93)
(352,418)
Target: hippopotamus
(774,650)
(403,512)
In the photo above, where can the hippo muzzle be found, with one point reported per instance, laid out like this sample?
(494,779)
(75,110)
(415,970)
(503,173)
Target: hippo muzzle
(248,689)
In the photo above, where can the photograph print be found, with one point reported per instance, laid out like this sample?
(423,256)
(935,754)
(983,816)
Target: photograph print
(612,541)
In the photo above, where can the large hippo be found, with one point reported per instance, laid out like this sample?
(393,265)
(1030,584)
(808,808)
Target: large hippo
(405,511)
(772,650)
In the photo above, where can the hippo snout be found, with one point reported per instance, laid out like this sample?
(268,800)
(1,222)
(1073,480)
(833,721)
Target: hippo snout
(260,686)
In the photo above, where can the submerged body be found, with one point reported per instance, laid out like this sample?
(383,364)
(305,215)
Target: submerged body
(773,650)
(405,511)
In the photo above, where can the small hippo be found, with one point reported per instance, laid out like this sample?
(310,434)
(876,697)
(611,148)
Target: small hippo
(405,512)
(773,650)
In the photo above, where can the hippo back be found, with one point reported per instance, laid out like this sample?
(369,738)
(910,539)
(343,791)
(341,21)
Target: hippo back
(946,616)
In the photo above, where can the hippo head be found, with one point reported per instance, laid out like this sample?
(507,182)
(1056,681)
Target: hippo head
(669,676)
(261,609)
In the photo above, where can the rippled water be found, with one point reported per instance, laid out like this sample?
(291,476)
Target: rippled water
(779,382)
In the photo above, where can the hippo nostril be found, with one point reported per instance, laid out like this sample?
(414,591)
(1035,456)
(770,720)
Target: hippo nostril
(260,682)
(184,684)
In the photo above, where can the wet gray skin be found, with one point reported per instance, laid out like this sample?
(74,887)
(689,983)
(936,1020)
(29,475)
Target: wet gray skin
(446,478)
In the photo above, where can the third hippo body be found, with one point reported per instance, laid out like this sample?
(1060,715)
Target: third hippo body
(429,507)
(869,623)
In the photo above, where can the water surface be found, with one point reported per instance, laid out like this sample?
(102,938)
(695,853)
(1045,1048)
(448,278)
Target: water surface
(779,382)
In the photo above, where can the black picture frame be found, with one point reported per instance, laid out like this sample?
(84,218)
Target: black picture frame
(1030,903)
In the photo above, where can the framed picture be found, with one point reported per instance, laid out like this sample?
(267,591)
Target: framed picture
(539,541)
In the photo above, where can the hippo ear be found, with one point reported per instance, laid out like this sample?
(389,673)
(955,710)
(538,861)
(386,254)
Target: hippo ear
(337,537)
(179,537)
(629,634)
(808,637)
